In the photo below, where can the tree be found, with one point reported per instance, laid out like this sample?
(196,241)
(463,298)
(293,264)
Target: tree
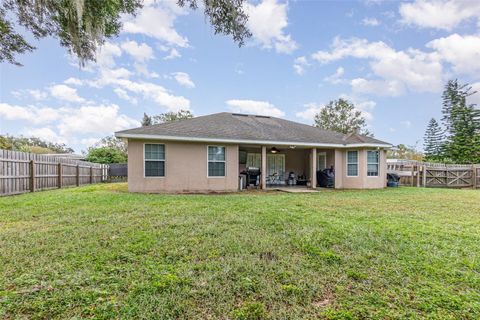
(341,116)
(34,145)
(146,120)
(433,141)
(405,152)
(5,144)
(112,142)
(83,25)
(172,116)
(462,123)
(107,144)
(105,155)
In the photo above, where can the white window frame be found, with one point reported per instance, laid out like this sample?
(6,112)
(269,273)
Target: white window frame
(358,167)
(323,153)
(224,161)
(164,162)
(377,163)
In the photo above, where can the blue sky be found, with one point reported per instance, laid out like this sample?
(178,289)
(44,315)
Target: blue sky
(390,58)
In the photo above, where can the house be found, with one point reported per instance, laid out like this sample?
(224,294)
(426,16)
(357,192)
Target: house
(213,152)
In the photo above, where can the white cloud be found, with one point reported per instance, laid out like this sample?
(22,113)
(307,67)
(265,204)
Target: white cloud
(29,113)
(412,69)
(38,94)
(107,53)
(475,99)
(122,94)
(463,52)
(100,119)
(353,47)
(267,21)
(183,79)
(140,52)
(370,22)
(142,69)
(109,77)
(89,142)
(174,54)
(46,133)
(73,81)
(119,78)
(299,65)
(378,87)
(439,14)
(64,92)
(155,92)
(255,107)
(336,78)
(311,109)
(157,21)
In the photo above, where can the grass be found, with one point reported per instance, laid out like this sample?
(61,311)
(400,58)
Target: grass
(100,252)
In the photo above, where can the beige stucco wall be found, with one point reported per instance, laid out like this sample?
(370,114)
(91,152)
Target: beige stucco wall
(185,169)
(295,161)
(362,181)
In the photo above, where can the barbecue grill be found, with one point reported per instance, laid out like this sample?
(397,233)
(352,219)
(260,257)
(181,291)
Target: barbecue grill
(253,176)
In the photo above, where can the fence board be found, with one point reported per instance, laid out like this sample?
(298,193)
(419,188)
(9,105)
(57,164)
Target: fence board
(424,174)
(22,172)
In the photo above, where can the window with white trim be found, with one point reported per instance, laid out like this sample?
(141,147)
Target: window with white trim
(352,163)
(154,160)
(322,161)
(373,160)
(216,161)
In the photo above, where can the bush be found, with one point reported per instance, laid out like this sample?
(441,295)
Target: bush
(105,155)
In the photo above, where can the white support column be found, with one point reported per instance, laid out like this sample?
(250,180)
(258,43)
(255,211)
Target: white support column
(264,168)
(314,168)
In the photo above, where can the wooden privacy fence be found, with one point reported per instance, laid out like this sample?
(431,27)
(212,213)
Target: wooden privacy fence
(22,172)
(425,174)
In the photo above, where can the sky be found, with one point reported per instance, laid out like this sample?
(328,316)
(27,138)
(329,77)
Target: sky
(391,59)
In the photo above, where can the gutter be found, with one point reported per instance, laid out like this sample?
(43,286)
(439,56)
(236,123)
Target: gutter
(240,141)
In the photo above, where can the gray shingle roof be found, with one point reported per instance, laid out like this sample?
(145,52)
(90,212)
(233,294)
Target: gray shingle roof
(234,126)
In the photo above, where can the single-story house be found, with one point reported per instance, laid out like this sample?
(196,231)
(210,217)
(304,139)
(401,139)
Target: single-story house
(227,151)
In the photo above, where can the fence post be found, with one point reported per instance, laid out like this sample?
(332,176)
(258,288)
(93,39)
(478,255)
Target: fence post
(91,174)
(418,175)
(413,176)
(104,172)
(424,176)
(60,175)
(78,175)
(474,176)
(32,175)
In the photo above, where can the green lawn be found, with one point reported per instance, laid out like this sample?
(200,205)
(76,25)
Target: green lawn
(100,252)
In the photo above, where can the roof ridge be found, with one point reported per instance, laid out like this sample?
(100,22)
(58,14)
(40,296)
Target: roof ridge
(225,125)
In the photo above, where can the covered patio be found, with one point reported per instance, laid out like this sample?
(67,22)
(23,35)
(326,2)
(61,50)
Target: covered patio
(281,167)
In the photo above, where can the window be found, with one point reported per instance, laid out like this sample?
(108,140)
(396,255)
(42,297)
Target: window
(322,161)
(254,160)
(373,158)
(216,161)
(154,160)
(352,163)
